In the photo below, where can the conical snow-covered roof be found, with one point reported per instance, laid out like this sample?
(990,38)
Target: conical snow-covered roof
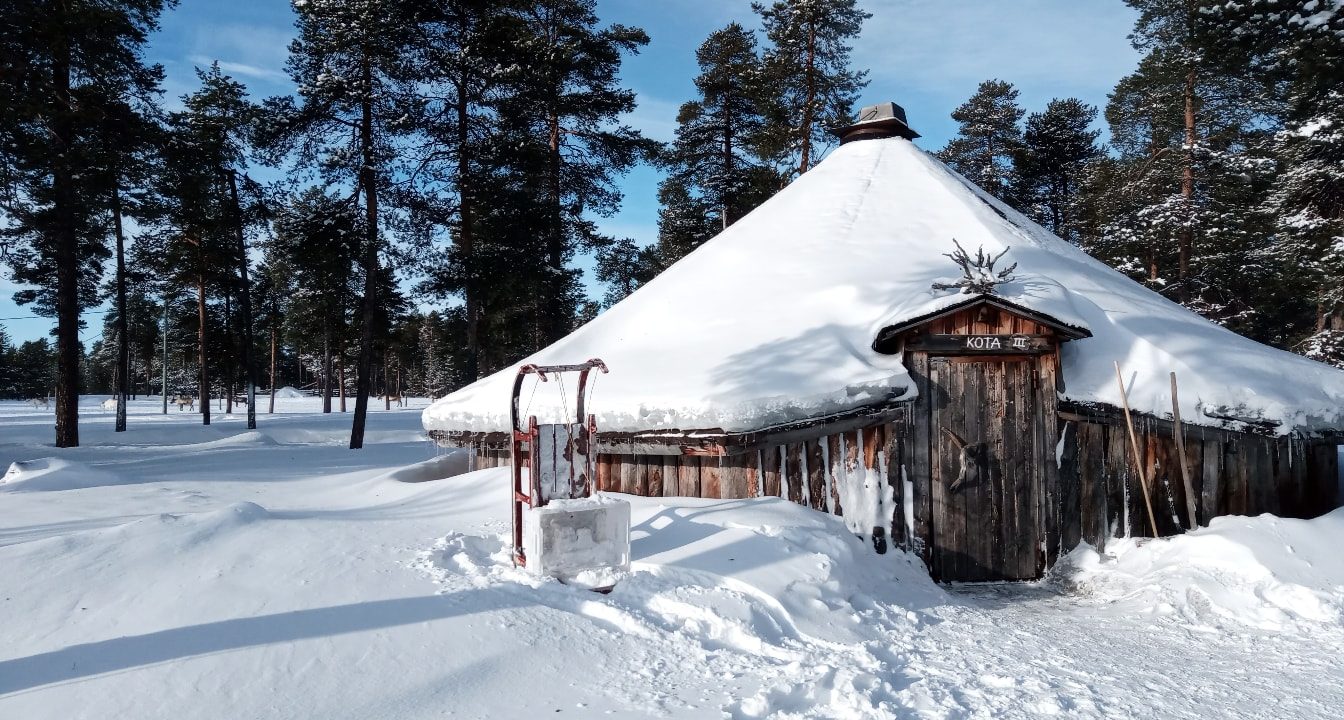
(774,319)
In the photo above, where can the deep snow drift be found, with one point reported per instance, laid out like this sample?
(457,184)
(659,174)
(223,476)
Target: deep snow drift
(180,571)
(773,320)
(1266,572)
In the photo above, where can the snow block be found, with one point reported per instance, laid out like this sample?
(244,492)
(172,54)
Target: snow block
(567,537)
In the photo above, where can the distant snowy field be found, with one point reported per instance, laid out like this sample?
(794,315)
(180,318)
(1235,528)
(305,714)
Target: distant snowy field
(177,571)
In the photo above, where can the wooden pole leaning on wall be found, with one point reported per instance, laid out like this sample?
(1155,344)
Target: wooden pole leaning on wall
(1134,449)
(1179,431)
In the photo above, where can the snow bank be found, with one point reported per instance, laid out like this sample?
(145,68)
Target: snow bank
(289,393)
(1265,572)
(783,608)
(454,462)
(50,473)
(773,320)
(746,573)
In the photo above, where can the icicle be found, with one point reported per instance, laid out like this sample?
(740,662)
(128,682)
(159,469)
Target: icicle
(827,471)
(859,488)
(760,473)
(908,500)
(885,497)
(783,472)
(1125,485)
(806,489)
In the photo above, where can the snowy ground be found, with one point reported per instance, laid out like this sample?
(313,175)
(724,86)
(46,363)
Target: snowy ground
(180,571)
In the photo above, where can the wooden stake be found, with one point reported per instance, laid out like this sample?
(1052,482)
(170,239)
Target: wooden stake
(1186,472)
(1134,447)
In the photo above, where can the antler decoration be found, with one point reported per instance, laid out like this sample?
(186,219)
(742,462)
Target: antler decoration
(978,274)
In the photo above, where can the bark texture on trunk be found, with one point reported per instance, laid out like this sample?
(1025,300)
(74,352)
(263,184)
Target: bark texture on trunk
(245,304)
(466,239)
(200,342)
(67,249)
(326,368)
(272,409)
(1186,238)
(369,181)
(805,162)
(123,346)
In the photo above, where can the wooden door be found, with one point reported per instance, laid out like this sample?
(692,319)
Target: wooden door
(985,481)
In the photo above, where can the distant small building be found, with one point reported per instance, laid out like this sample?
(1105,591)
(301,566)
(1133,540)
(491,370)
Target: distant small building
(826,349)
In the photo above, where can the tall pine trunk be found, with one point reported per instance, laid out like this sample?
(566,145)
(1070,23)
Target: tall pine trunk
(809,115)
(228,360)
(123,346)
(245,301)
(340,370)
(467,240)
(326,367)
(272,410)
(553,323)
(67,248)
(368,179)
(1186,238)
(200,342)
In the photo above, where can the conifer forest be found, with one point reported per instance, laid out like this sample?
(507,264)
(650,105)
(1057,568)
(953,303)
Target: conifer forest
(455,154)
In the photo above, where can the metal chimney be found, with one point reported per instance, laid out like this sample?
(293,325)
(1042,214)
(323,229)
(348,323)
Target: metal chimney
(882,120)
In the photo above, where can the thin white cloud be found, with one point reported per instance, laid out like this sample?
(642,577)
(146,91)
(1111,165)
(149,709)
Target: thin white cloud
(241,69)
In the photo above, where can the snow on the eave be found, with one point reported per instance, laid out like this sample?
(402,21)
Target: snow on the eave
(772,321)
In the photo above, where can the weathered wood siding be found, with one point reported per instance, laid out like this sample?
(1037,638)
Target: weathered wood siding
(1095,493)
(1232,473)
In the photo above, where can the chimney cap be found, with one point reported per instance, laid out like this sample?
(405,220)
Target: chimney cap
(877,121)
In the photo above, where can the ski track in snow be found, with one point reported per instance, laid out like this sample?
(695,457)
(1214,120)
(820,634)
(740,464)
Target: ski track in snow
(180,571)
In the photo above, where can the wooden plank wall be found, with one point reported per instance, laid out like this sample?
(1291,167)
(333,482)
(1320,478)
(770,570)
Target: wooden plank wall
(796,471)
(1093,493)
(1232,473)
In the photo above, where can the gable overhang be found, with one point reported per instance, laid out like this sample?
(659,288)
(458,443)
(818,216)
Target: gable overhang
(888,338)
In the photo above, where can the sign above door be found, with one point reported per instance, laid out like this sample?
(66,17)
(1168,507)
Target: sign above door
(1016,344)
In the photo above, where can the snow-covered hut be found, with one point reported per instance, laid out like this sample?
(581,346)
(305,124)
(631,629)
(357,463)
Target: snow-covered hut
(825,349)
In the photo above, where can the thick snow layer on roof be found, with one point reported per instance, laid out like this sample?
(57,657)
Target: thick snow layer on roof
(773,320)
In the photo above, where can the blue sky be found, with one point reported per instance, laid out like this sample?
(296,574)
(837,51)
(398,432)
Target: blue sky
(927,55)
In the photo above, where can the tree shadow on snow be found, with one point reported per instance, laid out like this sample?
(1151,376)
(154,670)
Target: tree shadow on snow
(76,662)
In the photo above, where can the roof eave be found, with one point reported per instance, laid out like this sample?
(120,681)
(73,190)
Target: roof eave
(1065,330)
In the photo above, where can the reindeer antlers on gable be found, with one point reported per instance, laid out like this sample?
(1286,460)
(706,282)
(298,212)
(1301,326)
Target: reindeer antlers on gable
(978,274)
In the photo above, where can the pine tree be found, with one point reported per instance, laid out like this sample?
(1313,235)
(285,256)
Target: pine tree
(568,144)
(349,64)
(988,138)
(7,369)
(720,133)
(685,222)
(1050,170)
(1189,132)
(314,254)
(63,64)
(1297,46)
(624,266)
(808,67)
(35,368)
(198,215)
(458,66)
(715,170)
(436,375)
(122,161)
(222,122)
